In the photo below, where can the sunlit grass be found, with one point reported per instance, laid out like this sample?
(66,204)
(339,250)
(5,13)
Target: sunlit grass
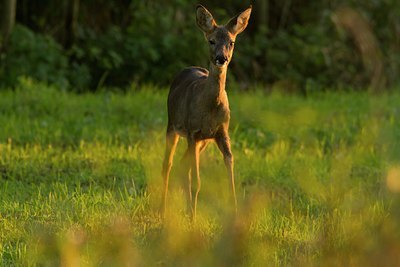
(317,180)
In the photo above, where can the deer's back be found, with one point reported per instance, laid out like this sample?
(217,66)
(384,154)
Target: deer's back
(188,76)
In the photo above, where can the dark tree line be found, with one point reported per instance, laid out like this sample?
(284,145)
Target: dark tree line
(289,45)
(7,12)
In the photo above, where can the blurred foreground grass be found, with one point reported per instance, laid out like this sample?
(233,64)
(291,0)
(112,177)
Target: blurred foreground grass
(318,181)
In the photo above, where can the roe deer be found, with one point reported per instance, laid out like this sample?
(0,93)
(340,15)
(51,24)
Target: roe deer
(198,107)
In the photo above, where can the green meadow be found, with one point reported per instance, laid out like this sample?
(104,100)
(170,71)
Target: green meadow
(318,181)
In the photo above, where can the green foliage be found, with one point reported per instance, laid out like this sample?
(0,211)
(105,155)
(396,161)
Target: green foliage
(288,44)
(36,56)
(317,180)
(148,50)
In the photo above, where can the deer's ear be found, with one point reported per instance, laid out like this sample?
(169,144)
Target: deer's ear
(238,23)
(204,19)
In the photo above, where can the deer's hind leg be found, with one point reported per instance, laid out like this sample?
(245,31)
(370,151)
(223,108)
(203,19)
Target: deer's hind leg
(171,142)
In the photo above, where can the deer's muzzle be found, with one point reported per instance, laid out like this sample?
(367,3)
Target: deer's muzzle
(220,60)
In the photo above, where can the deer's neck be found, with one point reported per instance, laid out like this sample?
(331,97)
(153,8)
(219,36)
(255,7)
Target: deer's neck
(216,82)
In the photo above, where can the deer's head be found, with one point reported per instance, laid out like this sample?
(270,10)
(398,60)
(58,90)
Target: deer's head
(221,38)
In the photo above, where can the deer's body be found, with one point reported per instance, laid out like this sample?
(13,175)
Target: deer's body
(202,116)
(198,107)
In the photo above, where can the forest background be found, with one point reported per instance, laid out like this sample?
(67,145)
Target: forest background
(290,45)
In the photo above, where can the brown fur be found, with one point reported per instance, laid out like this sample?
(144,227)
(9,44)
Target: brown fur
(198,107)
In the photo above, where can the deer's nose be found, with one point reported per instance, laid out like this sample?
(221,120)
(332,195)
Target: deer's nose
(220,60)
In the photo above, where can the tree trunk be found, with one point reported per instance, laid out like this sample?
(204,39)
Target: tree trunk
(7,21)
(71,22)
(263,13)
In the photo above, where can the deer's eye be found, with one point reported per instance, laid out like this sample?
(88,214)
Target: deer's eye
(231,43)
(212,42)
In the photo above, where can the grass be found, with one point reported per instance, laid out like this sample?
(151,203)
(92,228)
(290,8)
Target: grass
(318,181)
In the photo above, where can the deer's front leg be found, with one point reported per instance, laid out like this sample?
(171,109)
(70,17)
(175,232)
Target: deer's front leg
(191,166)
(171,141)
(186,178)
(195,168)
(224,145)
